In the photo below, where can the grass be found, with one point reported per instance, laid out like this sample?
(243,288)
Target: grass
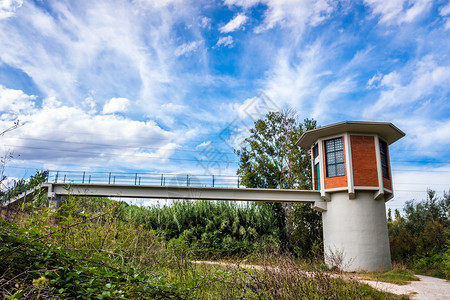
(283,279)
(96,256)
(400,276)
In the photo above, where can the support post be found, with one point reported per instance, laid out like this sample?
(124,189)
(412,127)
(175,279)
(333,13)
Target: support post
(55,202)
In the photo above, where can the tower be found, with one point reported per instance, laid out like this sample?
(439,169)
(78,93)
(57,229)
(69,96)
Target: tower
(351,169)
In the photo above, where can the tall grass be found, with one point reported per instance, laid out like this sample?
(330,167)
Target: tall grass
(99,253)
(212,229)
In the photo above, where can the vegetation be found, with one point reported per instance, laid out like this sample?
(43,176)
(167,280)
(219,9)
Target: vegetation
(420,238)
(96,248)
(22,185)
(399,275)
(87,249)
(270,158)
(211,230)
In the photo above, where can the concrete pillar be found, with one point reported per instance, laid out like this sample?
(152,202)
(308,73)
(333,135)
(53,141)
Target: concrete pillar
(355,232)
(54,202)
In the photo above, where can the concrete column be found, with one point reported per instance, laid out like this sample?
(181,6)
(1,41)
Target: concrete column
(355,232)
(55,202)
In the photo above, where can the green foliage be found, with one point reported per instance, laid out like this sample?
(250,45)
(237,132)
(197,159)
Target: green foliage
(96,251)
(32,267)
(271,159)
(212,229)
(307,231)
(420,238)
(22,185)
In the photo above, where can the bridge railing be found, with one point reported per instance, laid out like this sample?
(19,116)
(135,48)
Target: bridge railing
(228,181)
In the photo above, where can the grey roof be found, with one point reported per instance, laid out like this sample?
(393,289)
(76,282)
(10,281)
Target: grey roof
(387,131)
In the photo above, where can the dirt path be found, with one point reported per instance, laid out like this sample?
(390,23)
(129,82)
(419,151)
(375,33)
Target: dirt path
(428,288)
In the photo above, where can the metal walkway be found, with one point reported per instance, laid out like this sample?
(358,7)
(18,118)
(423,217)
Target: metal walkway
(163,186)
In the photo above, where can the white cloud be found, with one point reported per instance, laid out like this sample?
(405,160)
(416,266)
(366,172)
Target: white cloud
(298,83)
(289,13)
(242,3)
(427,76)
(205,23)
(15,102)
(204,144)
(398,11)
(109,48)
(8,7)
(116,105)
(225,41)
(51,102)
(173,108)
(445,12)
(374,81)
(424,136)
(89,105)
(187,48)
(236,23)
(412,183)
(68,135)
(331,93)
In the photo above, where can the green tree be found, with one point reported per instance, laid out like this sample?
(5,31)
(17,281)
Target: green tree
(269,158)
(420,237)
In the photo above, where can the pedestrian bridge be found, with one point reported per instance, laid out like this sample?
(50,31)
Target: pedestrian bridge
(163,186)
(350,165)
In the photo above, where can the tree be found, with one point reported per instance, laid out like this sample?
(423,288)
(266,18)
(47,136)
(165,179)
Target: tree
(270,159)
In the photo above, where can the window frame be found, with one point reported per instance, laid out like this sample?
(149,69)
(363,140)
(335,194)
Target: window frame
(335,154)
(316,151)
(384,159)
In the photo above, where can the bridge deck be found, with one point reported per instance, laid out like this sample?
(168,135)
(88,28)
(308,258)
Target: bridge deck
(182,192)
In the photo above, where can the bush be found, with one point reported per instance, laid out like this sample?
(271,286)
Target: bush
(420,238)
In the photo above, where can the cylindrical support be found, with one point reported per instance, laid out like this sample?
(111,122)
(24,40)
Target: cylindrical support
(55,202)
(355,233)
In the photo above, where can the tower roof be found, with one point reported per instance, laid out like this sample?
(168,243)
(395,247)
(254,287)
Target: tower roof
(387,131)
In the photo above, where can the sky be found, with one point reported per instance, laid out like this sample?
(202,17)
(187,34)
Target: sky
(172,86)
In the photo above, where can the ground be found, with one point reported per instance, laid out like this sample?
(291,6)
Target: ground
(427,288)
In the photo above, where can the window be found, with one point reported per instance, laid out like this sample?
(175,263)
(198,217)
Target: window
(316,151)
(384,161)
(317,183)
(334,151)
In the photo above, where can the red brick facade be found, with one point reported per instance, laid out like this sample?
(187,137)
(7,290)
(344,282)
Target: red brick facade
(364,161)
(337,181)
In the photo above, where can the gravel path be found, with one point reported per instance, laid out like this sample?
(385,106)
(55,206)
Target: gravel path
(428,288)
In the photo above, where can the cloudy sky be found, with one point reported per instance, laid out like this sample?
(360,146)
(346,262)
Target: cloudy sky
(171,85)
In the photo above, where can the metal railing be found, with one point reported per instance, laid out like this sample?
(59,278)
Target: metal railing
(144,179)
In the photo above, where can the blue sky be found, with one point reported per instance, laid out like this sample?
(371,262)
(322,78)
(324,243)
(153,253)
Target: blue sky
(172,86)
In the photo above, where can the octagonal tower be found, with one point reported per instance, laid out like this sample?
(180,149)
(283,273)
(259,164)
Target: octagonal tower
(351,169)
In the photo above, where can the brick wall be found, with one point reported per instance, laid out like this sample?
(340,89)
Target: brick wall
(337,181)
(364,161)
